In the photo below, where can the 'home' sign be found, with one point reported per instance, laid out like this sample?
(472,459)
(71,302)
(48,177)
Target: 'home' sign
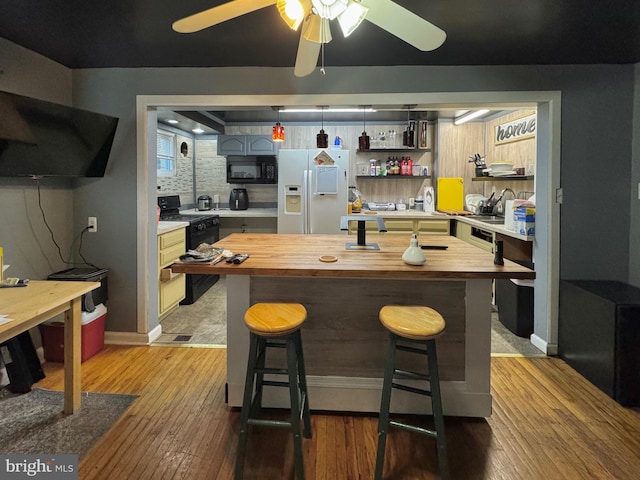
(518,129)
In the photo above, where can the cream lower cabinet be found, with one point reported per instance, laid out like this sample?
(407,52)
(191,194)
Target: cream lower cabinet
(407,226)
(475,236)
(171,286)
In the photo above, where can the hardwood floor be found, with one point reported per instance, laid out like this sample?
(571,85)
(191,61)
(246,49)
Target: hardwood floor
(547,423)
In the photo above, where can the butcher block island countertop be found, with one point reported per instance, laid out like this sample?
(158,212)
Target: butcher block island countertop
(288,255)
(343,340)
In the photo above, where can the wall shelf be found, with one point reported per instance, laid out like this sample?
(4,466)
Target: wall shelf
(509,178)
(394,150)
(415,177)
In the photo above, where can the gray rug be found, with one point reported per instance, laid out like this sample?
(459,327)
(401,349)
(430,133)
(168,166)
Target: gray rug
(34,423)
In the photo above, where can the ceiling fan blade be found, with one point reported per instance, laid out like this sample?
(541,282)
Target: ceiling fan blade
(307,57)
(219,14)
(404,24)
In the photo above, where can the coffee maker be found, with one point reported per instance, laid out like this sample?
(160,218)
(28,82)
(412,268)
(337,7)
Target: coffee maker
(238,199)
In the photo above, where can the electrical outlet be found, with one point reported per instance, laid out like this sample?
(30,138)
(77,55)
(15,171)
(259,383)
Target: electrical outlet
(92,224)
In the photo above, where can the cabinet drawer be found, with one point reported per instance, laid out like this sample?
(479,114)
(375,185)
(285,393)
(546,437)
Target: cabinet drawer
(433,227)
(170,239)
(171,292)
(169,255)
(399,226)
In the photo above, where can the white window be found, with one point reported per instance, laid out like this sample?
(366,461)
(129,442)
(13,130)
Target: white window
(166,154)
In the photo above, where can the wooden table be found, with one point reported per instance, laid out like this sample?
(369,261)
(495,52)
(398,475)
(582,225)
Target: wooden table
(343,339)
(39,301)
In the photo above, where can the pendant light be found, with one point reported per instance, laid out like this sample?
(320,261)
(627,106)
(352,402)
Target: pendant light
(364,142)
(322,139)
(277,133)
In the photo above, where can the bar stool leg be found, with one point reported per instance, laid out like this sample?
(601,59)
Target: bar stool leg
(436,407)
(246,406)
(383,421)
(292,367)
(302,377)
(261,358)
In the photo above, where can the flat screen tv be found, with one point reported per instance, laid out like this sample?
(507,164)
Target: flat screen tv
(44,139)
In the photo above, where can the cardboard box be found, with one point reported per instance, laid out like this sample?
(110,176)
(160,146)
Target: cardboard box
(92,336)
(525,220)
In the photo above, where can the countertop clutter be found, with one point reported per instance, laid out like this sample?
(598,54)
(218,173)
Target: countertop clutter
(164,227)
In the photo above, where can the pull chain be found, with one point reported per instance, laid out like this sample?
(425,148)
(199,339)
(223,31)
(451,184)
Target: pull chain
(322,70)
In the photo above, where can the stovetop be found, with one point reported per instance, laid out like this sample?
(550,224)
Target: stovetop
(177,217)
(170,212)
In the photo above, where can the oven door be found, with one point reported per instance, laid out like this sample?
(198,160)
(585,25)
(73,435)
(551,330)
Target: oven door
(197,285)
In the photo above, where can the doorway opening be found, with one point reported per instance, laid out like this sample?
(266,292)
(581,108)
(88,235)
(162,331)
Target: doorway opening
(546,244)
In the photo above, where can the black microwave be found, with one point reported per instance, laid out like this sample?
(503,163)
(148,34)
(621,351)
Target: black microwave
(260,169)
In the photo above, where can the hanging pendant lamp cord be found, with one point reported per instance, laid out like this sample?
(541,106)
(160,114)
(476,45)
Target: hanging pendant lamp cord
(322,59)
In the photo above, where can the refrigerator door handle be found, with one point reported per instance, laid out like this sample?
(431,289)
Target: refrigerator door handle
(306,183)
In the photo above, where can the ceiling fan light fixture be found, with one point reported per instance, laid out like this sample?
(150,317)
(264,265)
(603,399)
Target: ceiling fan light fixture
(329,9)
(317,29)
(293,12)
(352,17)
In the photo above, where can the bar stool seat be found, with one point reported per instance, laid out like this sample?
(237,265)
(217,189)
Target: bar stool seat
(274,319)
(418,326)
(275,325)
(413,322)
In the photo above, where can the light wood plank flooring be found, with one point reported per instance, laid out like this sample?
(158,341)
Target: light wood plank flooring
(548,423)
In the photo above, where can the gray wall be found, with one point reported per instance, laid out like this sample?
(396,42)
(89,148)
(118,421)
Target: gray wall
(27,243)
(634,227)
(597,137)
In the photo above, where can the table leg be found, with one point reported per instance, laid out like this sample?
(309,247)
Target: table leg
(72,353)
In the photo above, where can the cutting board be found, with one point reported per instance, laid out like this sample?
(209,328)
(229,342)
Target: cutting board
(450,193)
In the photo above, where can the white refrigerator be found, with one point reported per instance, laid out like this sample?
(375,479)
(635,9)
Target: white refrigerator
(312,190)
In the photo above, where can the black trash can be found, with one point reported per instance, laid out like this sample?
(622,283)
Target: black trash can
(514,299)
(87,274)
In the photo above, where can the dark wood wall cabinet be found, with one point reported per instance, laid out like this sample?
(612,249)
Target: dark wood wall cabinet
(599,335)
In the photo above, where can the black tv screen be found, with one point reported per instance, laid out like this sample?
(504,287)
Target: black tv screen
(43,139)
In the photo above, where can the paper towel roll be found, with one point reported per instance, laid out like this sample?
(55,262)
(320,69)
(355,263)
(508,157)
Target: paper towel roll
(429,202)
(509,216)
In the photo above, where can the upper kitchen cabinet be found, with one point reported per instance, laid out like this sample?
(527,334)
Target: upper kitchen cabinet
(246,145)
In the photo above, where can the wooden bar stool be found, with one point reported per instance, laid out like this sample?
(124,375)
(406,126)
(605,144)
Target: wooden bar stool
(419,326)
(275,325)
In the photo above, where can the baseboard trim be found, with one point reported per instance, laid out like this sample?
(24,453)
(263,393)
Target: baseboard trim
(132,338)
(540,343)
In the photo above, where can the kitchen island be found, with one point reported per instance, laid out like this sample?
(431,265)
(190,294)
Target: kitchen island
(344,342)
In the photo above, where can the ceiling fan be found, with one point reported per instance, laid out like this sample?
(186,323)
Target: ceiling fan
(315,15)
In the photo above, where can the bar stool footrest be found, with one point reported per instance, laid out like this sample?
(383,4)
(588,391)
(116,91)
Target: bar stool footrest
(407,348)
(275,383)
(414,429)
(407,388)
(411,375)
(269,423)
(271,371)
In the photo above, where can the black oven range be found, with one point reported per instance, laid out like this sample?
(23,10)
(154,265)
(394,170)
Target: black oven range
(202,229)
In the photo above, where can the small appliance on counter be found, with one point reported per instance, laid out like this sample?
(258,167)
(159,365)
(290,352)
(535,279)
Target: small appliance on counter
(239,199)
(381,207)
(205,202)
